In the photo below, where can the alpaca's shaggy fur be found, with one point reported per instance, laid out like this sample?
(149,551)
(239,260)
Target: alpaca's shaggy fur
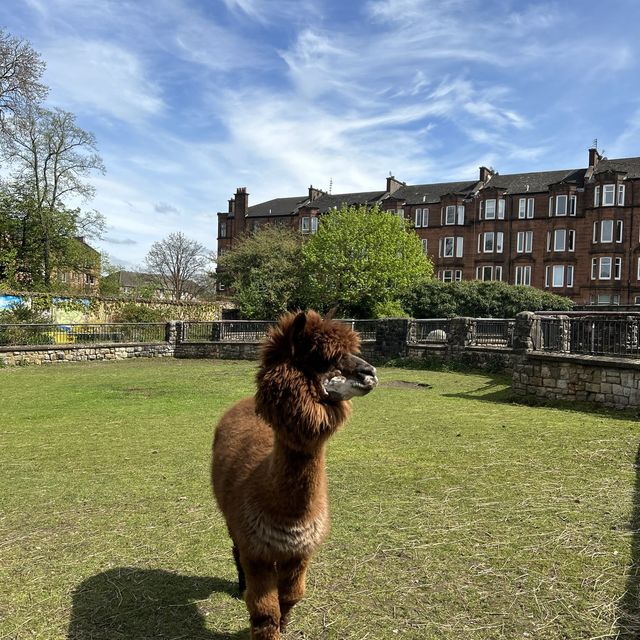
(268,466)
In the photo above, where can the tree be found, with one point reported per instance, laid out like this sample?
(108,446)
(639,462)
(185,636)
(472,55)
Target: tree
(177,260)
(477,299)
(20,71)
(51,156)
(264,272)
(362,261)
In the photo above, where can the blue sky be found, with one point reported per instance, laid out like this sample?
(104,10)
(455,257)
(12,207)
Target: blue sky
(190,99)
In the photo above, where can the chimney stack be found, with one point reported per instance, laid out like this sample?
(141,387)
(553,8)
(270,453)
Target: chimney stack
(314,193)
(594,157)
(393,184)
(485,174)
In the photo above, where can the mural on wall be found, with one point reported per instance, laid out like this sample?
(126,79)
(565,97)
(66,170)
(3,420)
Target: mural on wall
(8,301)
(65,314)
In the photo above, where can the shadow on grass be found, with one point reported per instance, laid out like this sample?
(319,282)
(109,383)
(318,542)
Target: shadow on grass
(629,606)
(127,603)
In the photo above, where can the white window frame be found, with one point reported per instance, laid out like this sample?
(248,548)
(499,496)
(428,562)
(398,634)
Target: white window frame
(520,242)
(621,195)
(565,204)
(493,209)
(223,229)
(619,230)
(557,269)
(444,275)
(460,214)
(605,263)
(596,196)
(638,273)
(609,224)
(425,245)
(559,234)
(522,208)
(608,195)
(501,208)
(458,275)
(569,277)
(594,268)
(305,224)
(443,247)
(571,240)
(417,218)
(314,224)
(489,239)
(531,205)
(573,205)
(425,218)
(450,209)
(459,246)
(617,269)
(595,232)
(523,276)
(499,242)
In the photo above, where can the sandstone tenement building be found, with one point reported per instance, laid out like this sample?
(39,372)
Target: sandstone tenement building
(571,231)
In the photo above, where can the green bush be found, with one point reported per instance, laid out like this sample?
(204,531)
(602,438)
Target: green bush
(474,298)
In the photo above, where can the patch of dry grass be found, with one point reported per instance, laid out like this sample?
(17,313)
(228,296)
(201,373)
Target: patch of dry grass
(455,513)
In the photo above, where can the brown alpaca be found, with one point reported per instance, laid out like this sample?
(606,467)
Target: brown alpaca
(268,459)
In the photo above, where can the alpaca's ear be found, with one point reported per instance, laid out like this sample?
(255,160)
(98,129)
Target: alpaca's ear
(330,315)
(297,328)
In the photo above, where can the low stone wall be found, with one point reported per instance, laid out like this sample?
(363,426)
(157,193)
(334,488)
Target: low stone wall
(611,382)
(218,350)
(72,353)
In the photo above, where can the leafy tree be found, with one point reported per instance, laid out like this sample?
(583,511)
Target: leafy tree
(177,260)
(474,298)
(51,157)
(362,260)
(264,272)
(20,71)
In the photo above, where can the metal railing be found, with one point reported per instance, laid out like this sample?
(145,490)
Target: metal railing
(493,332)
(366,328)
(604,335)
(429,331)
(225,331)
(22,335)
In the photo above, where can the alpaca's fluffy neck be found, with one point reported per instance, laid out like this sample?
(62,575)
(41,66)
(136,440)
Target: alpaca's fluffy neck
(298,478)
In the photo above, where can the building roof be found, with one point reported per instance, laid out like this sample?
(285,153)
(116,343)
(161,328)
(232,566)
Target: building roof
(630,166)
(537,181)
(431,193)
(329,201)
(276,207)
(136,279)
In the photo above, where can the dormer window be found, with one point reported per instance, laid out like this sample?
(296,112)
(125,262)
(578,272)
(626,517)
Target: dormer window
(454,214)
(305,224)
(562,204)
(608,195)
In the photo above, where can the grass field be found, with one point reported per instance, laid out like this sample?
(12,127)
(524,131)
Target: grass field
(456,514)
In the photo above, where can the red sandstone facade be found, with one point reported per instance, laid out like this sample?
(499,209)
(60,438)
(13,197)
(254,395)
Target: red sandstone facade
(572,232)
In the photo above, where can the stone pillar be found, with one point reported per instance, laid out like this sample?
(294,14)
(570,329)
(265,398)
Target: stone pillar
(564,334)
(171,332)
(461,332)
(391,338)
(525,332)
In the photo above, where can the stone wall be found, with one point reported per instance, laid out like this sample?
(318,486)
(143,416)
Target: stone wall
(71,353)
(218,350)
(611,382)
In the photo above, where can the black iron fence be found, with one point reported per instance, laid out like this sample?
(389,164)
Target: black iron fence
(495,332)
(225,331)
(602,334)
(60,334)
(429,331)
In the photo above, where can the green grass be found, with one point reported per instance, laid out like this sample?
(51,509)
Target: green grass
(456,514)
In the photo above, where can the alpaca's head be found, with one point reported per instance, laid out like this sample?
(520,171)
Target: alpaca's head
(310,367)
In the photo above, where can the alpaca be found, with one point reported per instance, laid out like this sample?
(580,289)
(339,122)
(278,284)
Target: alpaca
(268,467)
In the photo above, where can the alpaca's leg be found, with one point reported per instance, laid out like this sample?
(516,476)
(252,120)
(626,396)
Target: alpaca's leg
(261,596)
(241,581)
(291,582)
